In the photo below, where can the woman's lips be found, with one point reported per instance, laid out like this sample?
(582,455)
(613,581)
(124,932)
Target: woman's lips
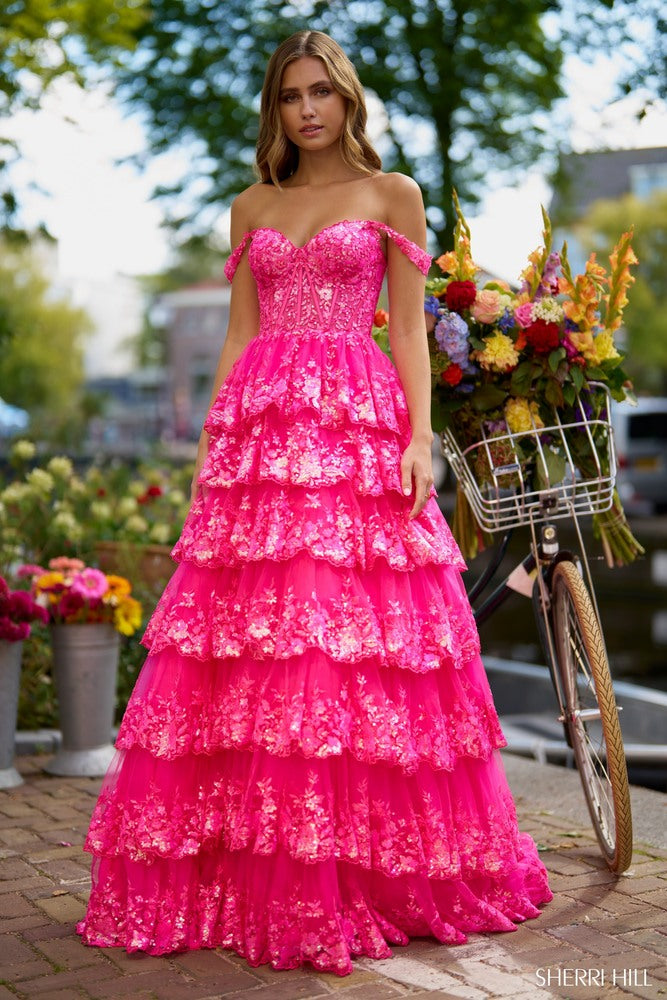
(311,130)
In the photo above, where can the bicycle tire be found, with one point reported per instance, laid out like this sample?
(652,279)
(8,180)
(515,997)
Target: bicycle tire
(592,714)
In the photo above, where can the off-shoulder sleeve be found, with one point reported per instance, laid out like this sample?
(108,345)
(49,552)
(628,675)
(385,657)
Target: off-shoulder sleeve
(420,258)
(235,257)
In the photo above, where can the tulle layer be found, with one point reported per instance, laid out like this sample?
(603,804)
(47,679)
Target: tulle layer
(273,610)
(305,453)
(276,910)
(340,376)
(313,707)
(270,521)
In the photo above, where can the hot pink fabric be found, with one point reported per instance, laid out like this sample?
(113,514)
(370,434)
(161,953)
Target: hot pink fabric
(308,766)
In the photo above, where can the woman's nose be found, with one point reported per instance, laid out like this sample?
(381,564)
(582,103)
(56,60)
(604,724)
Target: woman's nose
(307,110)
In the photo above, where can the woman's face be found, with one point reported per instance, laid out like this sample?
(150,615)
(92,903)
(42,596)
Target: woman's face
(311,111)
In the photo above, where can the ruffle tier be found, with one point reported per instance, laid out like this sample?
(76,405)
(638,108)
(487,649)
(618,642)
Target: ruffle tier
(313,707)
(340,376)
(272,909)
(273,610)
(269,521)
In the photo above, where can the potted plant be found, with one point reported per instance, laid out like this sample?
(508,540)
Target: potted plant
(18,610)
(87,611)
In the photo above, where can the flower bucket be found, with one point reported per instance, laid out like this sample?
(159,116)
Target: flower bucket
(10,677)
(85,666)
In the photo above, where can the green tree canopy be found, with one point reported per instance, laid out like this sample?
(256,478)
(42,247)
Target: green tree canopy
(645,317)
(467,84)
(41,40)
(41,353)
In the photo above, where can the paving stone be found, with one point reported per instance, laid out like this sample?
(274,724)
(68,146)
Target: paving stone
(66,909)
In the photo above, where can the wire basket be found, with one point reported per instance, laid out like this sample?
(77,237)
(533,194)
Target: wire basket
(505,498)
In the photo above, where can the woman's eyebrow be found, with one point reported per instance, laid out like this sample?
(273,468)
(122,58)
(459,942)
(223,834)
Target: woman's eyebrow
(312,86)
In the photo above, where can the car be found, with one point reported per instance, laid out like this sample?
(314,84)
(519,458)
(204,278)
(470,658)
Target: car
(640,436)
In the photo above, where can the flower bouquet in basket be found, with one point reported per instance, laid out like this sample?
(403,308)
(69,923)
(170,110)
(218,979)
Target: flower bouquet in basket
(529,374)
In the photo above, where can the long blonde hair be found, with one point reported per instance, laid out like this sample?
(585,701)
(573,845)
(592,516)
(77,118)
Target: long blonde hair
(276,157)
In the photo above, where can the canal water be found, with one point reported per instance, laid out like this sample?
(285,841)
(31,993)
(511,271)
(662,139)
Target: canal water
(632,601)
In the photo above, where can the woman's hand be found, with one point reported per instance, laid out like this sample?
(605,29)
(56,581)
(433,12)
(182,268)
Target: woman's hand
(417,464)
(202,452)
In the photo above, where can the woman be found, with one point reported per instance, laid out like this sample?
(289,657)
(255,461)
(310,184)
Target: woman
(307,769)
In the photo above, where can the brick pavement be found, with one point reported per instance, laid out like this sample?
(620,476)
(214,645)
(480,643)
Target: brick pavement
(613,931)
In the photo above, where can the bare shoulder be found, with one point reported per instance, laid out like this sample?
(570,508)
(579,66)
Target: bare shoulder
(247,205)
(395,187)
(403,206)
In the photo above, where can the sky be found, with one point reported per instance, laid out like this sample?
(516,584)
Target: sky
(105,221)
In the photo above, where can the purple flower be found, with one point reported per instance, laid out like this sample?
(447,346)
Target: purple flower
(549,283)
(506,321)
(451,334)
(432,305)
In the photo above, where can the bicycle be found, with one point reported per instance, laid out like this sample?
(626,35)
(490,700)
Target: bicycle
(560,585)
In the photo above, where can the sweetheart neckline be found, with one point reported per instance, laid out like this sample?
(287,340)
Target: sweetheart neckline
(324,229)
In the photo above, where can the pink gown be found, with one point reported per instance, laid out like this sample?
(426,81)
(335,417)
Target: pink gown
(308,766)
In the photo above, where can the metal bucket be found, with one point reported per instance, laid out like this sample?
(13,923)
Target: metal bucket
(85,667)
(10,679)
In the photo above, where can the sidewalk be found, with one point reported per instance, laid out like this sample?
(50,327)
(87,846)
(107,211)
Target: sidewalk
(600,937)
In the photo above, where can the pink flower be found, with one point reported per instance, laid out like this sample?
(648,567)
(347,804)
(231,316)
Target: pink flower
(13,632)
(486,307)
(66,565)
(523,314)
(29,570)
(90,583)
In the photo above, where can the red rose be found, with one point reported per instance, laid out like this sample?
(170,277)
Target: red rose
(542,336)
(381,318)
(154,491)
(460,295)
(453,374)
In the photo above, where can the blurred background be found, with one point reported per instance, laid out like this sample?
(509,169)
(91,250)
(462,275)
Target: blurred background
(127,127)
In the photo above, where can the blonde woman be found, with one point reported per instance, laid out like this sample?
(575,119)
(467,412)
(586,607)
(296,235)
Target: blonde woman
(308,767)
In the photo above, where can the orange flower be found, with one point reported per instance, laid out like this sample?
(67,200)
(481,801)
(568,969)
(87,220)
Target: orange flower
(381,318)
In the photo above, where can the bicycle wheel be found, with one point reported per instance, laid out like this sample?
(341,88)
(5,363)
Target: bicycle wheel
(591,714)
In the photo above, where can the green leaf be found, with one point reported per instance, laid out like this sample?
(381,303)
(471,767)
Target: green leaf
(487,397)
(554,472)
(555,358)
(577,377)
(522,377)
(553,393)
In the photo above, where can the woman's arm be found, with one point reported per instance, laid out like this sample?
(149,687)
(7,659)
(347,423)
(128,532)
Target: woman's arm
(407,334)
(243,322)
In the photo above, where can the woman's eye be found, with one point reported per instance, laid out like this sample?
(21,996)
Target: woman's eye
(323,91)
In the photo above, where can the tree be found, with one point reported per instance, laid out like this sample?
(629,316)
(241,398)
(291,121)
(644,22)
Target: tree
(645,317)
(41,361)
(467,84)
(41,40)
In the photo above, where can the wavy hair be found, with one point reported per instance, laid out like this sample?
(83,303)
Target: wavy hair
(276,156)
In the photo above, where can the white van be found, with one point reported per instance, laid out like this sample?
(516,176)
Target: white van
(640,436)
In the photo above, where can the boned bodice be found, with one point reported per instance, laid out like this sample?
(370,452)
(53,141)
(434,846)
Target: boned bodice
(331,284)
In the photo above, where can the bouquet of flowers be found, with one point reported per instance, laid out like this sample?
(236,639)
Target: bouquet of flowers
(503,362)
(73,593)
(18,610)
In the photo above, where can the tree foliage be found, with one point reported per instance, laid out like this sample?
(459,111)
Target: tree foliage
(41,40)
(645,317)
(467,84)
(41,354)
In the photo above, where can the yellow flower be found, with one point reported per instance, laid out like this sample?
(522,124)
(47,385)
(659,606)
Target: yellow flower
(603,346)
(499,355)
(118,585)
(127,616)
(522,415)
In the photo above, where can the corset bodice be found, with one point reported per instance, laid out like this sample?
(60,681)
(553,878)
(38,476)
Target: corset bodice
(330,284)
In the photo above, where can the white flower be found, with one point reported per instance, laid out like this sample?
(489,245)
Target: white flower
(136,524)
(76,486)
(160,533)
(41,480)
(100,510)
(64,523)
(127,506)
(15,493)
(548,309)
(176,497)
(60,467)
(22,450)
